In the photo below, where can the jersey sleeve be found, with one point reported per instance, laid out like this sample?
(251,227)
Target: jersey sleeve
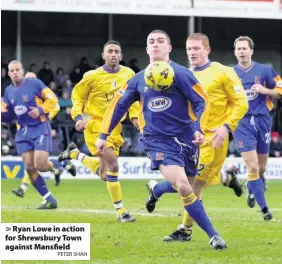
(7,111)
(54,112)
(236,97)
(80,94)
(134,111)
(46,98)
(119,105)
(273,80)
(198,101)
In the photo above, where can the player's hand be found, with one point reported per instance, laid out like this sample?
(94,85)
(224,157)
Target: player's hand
(219,136)
(199,138)
(101,145)
(34,113)
(258,88)
(135,122)
(80,125)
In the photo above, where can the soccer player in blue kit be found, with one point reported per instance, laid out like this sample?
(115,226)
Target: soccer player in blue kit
(30,102)
(169,137)
(252,136)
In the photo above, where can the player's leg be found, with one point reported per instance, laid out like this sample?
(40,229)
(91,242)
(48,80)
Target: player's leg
(155,191)
(41,163)
(42,147)
(229,177)
(205,171)
(264,125)
(59,167)
(254,182)
(262,160)
(24,185)
(73,153)
(177,176)
(245,137)
(114,188)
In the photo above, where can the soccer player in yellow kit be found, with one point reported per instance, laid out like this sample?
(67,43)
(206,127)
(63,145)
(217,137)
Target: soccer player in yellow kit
(228,104)
(92,96)
(57,170)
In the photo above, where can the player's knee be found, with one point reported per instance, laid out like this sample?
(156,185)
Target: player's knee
(183,187)
(253,167)
(113,167)
(29,166)
(41,165)
(262,170)
(103,175)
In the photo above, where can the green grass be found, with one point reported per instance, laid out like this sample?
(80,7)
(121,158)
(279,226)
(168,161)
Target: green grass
(249,238)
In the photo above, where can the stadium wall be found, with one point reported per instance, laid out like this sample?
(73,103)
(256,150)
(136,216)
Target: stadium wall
(131,168)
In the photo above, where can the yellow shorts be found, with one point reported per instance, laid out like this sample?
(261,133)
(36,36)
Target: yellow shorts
(92,133)
(211,162)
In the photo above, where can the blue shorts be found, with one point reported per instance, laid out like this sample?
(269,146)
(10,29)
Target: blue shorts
(253,133)
(34,138)
(172,151)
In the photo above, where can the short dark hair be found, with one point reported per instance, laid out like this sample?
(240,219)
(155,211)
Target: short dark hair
(111,42)
(163,32)
(245,38)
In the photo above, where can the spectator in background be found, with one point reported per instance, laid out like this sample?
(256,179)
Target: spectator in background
(68,86)
(98,63)
(60,78)
(32,68)
(84,66)
(123,63)
(133,64)
(65,100)
(46,75)
(4,63)
(75,75)
(52,86)
(6,143)
(275,145)
(5,80)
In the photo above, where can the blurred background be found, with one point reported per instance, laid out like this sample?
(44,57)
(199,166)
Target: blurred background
(61,46)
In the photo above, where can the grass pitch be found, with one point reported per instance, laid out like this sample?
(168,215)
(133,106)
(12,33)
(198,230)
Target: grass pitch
(249,238)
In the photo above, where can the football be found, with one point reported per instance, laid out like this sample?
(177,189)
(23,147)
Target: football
(159,76)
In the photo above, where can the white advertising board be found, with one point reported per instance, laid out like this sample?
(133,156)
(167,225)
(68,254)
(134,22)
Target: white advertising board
(268,9)
(134,168)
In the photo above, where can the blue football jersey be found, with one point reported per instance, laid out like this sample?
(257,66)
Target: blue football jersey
(259,104)
(161,113)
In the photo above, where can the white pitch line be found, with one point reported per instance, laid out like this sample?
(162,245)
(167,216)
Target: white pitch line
(135,212)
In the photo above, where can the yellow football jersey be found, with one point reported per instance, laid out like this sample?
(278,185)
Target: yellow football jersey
(93,94)
(228,101)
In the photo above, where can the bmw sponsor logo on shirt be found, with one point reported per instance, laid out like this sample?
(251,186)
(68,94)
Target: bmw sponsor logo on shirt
(251,95)
(159,104)
(20,109)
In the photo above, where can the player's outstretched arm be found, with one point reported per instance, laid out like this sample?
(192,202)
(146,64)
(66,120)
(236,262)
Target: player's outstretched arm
(119,105)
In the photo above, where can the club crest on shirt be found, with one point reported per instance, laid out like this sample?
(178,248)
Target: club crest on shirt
(257,79)
(159,156)
(114,84)
(25,98)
